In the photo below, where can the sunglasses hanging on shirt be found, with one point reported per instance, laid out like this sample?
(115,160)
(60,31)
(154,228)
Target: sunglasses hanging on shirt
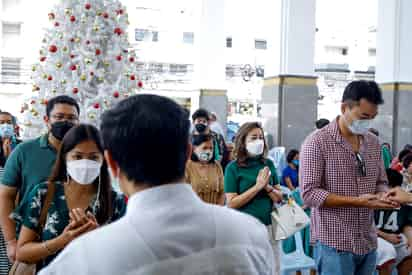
(361,165)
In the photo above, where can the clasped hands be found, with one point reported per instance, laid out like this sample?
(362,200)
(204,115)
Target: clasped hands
(80,223)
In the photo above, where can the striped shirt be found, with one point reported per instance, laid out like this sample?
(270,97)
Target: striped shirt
(4,262)
(329,165)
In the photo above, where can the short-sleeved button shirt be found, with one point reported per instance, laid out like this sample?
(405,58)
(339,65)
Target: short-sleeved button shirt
(28,212)
(240,179)
(29,164)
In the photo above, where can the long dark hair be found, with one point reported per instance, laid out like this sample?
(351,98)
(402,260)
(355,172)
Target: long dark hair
(240,151)
(75,136)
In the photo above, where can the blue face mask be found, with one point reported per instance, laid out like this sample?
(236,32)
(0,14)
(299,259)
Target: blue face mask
(6,130)
(295,162)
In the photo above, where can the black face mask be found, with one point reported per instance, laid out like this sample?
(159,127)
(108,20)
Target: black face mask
(201,128)
(60,128)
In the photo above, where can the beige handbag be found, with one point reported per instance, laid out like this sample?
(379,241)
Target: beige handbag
(20,268)
(288,219)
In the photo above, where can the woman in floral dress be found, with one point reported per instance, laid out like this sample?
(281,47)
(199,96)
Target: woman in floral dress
(82,199)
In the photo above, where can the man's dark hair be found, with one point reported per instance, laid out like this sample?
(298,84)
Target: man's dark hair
(148,136)
(408,147)
(291,155)
(322,123)
(362,89)
(201,113)
(61,99)
(395,178)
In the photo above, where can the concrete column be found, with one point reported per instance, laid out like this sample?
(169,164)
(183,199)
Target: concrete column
(210,65)
(289,95)
(394,71)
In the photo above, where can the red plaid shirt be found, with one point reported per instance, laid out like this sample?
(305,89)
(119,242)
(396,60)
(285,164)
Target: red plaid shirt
(329,165)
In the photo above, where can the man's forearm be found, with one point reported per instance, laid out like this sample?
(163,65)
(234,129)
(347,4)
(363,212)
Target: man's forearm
(334,200)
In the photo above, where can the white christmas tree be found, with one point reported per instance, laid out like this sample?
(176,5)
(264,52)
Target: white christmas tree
(85,55)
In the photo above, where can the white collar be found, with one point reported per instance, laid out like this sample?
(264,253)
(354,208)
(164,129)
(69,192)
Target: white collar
(166,194)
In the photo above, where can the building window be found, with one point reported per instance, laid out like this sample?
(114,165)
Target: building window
(260,44)
(11,34)
(10,70)
(230,71)
(155,36)
(178,69)
(344,51)
(139,34)
(11,5)
(188,37)
(372,52)
(156,67)
(260,71)
(229,42)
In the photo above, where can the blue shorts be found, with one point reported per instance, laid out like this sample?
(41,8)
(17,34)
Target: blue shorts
(330,261)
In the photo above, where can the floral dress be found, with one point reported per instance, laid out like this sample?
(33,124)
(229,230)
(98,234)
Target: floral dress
(28,213)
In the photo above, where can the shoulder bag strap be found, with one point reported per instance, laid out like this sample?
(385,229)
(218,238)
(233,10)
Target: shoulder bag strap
(43,214)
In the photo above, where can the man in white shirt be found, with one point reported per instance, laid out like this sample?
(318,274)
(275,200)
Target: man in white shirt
(167,229)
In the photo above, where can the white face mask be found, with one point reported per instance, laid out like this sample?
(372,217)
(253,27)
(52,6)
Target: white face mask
(204,155)
(83,171)
(255,148)
(360,126)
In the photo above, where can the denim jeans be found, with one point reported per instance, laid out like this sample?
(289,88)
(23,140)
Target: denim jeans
(330,261)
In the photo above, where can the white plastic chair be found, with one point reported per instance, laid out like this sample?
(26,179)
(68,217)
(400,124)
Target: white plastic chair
(297,260)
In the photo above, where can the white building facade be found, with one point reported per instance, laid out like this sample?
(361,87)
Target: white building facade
(165,34)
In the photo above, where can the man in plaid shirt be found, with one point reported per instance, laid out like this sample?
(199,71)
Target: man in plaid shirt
(343,180)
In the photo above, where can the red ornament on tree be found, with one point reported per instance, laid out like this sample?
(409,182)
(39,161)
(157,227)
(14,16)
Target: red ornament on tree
(75,90)
(32,102)
(96,105)
(140,84)
(42,59)
(87,42)
(118,31)
(119,58)
(72,56)
(119,11)
(98,51)
(56,24)
(73,67)
(131,59)
(72,18)
(53,48)
(87,6)
(132,77)
(105,15)
(92,73)
(50,78)
(72,40)
(116,94)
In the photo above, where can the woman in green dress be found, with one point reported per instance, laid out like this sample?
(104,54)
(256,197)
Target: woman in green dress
(82,199)
(251,183)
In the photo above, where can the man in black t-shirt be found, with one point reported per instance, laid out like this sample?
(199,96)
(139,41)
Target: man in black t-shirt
(394,228)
